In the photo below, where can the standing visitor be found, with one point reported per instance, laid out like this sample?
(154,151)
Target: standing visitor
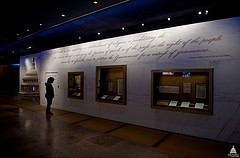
(49,95)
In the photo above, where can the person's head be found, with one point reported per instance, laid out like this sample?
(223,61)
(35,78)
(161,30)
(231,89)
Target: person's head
(50,80)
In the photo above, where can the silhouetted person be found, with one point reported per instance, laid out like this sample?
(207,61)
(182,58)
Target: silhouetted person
(49,95)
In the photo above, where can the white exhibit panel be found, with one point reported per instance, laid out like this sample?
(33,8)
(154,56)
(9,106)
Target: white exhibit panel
(26,64)
(207,45)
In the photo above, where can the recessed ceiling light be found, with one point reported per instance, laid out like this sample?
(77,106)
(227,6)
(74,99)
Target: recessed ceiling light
(123,28)
(79,37)
(99,33)
(40,24)
(63,15)
(142,24)
(168,19)
(206,11)
(199,13)
(95,2)
(29,47)
(28,30)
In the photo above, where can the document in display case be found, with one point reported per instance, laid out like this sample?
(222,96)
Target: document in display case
(111,84)
(75,85)
(184,90)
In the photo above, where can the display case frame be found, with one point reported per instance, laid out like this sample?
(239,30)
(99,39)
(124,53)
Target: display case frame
(111,84)
(76,85)
(192,92)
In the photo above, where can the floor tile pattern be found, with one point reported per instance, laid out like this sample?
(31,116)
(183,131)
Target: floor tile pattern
(101,125)
(27,132)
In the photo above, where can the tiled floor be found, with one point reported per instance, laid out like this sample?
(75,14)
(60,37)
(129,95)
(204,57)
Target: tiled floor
(27,132)
(101,125)
(141,135)
(70,117)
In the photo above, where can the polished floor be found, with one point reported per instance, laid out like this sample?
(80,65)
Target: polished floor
(27,132)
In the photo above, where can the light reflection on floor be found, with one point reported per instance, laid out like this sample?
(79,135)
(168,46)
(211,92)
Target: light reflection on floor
(27,132)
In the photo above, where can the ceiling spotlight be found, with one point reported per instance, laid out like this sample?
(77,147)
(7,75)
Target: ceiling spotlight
(142,24)
(199,13)
(206,11)
(63,15)
(29,47)
(40,24)
(99,33)
(168,19)
(28,30)
(95,2)
(123,28)
(79,37)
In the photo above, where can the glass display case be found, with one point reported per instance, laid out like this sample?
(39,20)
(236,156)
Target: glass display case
(111,84)
(185,90)
(75,85)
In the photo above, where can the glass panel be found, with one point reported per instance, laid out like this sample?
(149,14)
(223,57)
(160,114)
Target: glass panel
(183,90)
(111,84)
(75,84)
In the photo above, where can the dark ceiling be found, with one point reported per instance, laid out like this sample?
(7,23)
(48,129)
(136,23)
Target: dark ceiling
(33,26)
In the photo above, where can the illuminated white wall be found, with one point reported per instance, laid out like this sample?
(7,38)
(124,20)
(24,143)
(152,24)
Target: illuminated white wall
(213,44)
(26,64)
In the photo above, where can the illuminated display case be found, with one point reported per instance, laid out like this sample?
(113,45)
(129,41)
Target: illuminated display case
(75,84)
(111,84)
(185,90)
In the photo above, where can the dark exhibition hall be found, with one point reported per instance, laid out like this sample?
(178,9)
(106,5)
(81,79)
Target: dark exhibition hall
(120,79)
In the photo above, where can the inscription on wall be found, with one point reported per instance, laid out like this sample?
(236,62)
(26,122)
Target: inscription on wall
(140,47)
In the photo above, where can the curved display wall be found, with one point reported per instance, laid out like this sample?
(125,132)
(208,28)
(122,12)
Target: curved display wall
(182,79)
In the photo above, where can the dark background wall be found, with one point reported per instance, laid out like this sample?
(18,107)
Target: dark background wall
(9,79)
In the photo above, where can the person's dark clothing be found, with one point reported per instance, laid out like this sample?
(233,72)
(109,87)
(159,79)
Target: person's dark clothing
(49,96)
(49,90)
